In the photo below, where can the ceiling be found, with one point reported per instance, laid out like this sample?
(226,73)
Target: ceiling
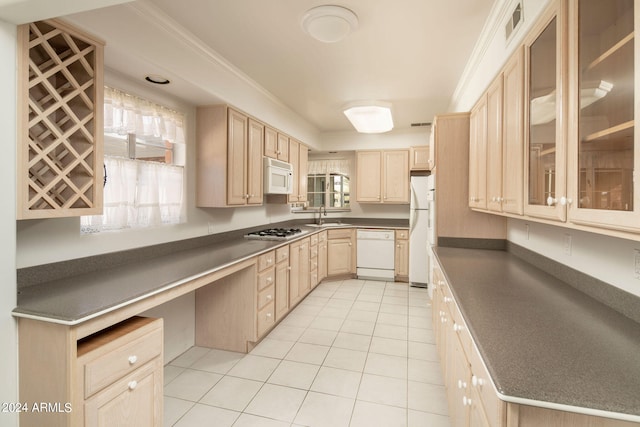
(408,52)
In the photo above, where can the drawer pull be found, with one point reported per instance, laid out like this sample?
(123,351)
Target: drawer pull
(269,280)
(447,299)
(132,385)
(477,381)
(466,401)
(269,315)
(269,297)
(457,328)
(133,359)
(462,384)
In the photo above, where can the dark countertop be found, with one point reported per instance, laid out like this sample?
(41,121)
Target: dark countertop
(541,339)
(83,295)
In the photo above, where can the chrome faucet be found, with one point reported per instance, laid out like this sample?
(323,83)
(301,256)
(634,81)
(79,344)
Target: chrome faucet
(319,220)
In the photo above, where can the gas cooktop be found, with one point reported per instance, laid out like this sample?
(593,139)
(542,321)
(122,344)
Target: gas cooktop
(275,234)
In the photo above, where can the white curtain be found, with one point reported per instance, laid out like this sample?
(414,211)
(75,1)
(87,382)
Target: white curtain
(322,167)
(138,194)
(124,113)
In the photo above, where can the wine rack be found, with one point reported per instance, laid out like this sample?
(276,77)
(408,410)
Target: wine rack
(60,101)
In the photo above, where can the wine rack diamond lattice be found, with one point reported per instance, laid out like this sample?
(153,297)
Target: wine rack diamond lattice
(62,153)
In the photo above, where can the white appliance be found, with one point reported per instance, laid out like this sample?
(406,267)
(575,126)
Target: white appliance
(375,255)
(278,176)
(419,221)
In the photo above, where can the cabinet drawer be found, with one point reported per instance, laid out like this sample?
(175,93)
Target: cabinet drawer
(135,400)
(266,318)
(282,254)
(494,408)
(313,253)
(266,278)
(118,351)
(402,234)
(342,233)
(266,260)
(314,239)
(266,296)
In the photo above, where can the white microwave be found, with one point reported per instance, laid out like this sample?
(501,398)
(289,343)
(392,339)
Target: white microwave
(278,176)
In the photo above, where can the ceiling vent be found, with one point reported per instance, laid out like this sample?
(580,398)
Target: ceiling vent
(514,22)
(415,125)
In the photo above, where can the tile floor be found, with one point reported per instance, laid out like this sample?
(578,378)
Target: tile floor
(353,353)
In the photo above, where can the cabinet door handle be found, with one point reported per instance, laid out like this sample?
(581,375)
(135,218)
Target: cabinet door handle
(133,359)
(132,384)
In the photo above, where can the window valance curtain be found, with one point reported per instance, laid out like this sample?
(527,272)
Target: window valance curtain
(322,167)
(124,113)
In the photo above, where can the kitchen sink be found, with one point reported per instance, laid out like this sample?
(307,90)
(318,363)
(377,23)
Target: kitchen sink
(329,224)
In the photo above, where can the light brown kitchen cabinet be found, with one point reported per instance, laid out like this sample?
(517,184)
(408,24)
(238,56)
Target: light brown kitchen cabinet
(299,159)
(512,135)
(282,283)
(60,121)
(276,145)
(266,291)
(299,278)
(545,136)
(452,171)
(603,154)
(402,256)
(494,145)
(229,158)
(341,252)
(478,155)
(382,176)
(313,260)
(419,158)
(322,256)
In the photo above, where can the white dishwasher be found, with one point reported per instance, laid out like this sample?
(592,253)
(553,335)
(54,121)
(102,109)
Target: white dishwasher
(375,254)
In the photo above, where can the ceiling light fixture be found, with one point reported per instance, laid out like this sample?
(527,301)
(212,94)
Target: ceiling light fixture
(329,24)
(159,80)
(370,117)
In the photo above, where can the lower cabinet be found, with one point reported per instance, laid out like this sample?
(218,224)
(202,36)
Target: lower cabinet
(472,400)
(402,256)
(322,256)
(282,282)
(341,252)
(120,372)
(299,280)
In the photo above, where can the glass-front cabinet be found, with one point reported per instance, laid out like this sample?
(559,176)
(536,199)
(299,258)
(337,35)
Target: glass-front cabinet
(545,115)
(603,156)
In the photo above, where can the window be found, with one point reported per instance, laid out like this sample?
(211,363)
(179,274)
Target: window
(144,160)
(328,184)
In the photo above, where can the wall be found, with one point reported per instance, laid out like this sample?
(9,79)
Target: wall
(606,258)
(8,332)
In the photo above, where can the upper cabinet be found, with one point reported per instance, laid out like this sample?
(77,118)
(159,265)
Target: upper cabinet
(276,145)
(419,158)
(60,113)
(603,147)
(382,176)
(299,159)
(229,158)
(569,151)
(545,121)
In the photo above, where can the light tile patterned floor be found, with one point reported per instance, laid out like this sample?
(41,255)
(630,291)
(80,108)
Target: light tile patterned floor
(353,353)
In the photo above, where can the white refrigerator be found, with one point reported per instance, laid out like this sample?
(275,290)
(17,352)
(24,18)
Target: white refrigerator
(419,233)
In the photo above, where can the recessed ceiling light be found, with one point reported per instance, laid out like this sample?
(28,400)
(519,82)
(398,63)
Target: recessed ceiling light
(156,79)
(329,24)
(370,116)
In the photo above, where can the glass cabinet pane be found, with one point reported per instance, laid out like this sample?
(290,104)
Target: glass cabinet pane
(543,101)
(606,118)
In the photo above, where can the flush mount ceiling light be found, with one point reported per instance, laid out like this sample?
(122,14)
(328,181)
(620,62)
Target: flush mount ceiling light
(156,79)
(370,117)
(329,24)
